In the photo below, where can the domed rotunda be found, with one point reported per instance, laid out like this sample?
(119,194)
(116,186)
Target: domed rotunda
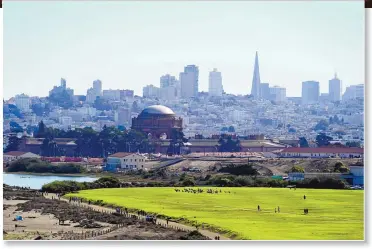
(157,120)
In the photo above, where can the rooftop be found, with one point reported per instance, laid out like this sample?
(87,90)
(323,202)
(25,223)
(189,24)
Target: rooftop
(15,153)
(157,110)
(121,154)
(322,150)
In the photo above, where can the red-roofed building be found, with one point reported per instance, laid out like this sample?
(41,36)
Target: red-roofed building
(322,152)
(15,155)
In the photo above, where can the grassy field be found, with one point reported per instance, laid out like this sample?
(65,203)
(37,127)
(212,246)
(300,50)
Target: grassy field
(333,214)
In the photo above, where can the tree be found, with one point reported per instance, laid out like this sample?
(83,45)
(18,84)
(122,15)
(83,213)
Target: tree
(353,144)
(231,129)
(41,129)
(229,145)
(303,142)
(321,125)
(13,144)
(340,167)
(38,109)
(297,169)
(177,141)
(323,140)
(15,127)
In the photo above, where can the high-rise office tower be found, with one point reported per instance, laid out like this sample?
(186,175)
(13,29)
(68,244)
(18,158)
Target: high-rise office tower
(97,86)
(265,91)
(335,89)
(310,92)
(215,83)
(63,83)
(168,80)
(189,81)
(256,81)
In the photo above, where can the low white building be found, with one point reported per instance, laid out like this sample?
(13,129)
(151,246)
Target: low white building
(126,161)
(322,152)
(15,155)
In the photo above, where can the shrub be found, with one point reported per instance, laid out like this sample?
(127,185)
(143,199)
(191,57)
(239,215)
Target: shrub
(297,169)
(340,167)
(35,165)
(188,182)
(245,169)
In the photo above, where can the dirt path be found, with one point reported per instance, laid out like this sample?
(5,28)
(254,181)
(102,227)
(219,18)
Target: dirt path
(171,224)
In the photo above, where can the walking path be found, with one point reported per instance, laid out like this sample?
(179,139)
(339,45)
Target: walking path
(163,222)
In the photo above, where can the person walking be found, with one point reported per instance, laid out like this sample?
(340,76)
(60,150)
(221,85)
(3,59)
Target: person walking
(278,209)
(304,197)
(258,208)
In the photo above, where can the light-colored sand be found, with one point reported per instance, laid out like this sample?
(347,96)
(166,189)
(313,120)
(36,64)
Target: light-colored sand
(34,223)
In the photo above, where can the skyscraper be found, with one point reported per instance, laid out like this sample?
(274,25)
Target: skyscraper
(189,81)
(167,80)
(354,92)
(256,81)
(335,89)
(97,86)
(310,92)
(278,94)
(265,91)
(215,83)
(63,83)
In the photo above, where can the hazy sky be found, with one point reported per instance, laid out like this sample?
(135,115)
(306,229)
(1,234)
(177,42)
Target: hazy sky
(128,45)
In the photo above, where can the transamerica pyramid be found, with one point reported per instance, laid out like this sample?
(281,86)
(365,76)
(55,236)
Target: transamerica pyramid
(256,79)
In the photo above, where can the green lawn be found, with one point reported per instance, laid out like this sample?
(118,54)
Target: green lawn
(333,214)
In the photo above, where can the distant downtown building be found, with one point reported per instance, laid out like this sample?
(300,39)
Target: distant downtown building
(150,91)
(170,88)
(22,101)
(256,81)
(310,92)
(278,94)
(97,86)
(334,89)
(265,91)
(189,81)
(354,92)
(168,80)
(215,83)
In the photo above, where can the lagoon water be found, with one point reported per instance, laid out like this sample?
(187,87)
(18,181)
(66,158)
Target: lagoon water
(37,181)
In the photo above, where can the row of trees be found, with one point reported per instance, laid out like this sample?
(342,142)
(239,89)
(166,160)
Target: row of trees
(110,140)
(248,181)
(322,140)
(71,186)
(229,145)
(35,165)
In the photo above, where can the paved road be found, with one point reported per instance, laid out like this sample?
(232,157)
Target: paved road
(176,225)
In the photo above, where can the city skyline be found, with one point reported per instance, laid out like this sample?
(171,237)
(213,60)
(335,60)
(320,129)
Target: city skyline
(122,57)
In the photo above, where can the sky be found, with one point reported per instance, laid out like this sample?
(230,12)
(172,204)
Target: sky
(128,45)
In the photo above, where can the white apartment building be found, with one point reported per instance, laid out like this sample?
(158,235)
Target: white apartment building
(189,81)
(215,83)
(111,94)
(310,92)
(334,89)
(87,110)
(22,101)
(278,94)
(353,92)
(150,91)
(65,121)
(97,87)
(91,95)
